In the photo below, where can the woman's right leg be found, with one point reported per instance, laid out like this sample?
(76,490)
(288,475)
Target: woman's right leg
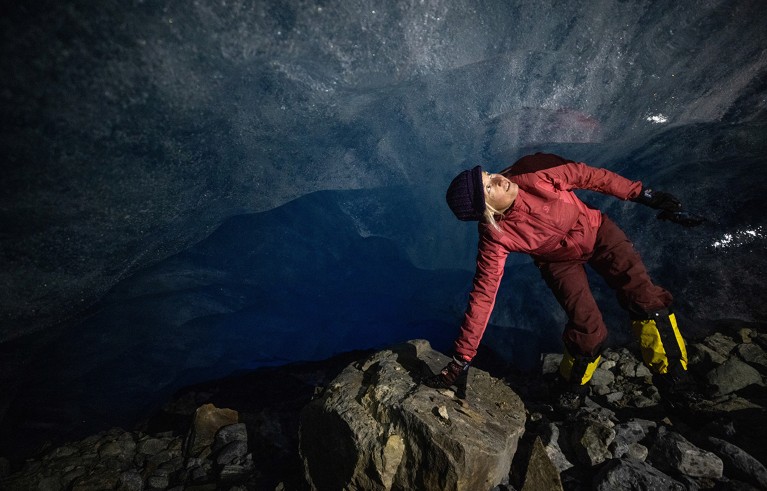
(585,332)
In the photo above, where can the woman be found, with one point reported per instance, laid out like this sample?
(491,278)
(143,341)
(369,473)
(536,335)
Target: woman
(530,207)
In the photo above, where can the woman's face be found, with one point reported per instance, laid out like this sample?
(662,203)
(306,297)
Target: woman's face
(500,192)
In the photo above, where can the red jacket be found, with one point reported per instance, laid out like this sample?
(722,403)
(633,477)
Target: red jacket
(546,220)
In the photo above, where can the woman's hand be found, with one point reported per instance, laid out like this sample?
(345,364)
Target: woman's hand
(658,200)
(670,206)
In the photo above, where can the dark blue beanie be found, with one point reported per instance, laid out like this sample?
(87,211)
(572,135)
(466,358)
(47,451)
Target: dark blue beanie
(466,196)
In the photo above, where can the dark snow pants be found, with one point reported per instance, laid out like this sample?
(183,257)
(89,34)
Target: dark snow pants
(616,260)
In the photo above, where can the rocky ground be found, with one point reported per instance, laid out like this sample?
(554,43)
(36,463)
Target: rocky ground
(624,437)
(242,432)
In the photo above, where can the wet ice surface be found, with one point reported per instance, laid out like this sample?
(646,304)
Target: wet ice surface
(135,130)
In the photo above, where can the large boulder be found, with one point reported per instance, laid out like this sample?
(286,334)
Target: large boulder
(376,428)
(208,420)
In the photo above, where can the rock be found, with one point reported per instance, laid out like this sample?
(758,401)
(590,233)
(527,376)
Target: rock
(208,419)
(69,477)
(601,390)
(160,479)
(643,371)
(640,400)
(732,376)
(618,449)
(629,475)
(162,456)
(746,335)
(610,355)
(646,424)
(593,411)
(98,479)
(231,433)
(739,464)
(628,368)
(130,481)
(236,472)
(550,440)
(614,397)
(630,432)
(700,354)
(232,452)
(672,452)
(61,452)
(602,377)
(542,474)
(550,363)
(627,436)
(590,440)
(374,427)
(728,404)
(753,354)
(151,446)
(111,449)
(122,449)
(636,389)
(637,451)
(720,343)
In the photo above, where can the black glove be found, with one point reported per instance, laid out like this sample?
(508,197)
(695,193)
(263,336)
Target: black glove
(448,376)
(658,200)
(681,217)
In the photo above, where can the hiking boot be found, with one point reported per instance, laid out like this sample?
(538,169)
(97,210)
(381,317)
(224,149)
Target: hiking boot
(678,390)
(571,397)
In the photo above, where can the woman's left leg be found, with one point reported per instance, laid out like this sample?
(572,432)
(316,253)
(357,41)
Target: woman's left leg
(616,260)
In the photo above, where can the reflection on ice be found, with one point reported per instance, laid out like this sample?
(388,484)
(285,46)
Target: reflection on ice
(739,238)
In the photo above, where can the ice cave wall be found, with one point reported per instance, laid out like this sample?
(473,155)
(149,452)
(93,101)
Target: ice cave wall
(132,130)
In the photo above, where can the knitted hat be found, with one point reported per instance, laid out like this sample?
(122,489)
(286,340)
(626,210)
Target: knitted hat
(466,196)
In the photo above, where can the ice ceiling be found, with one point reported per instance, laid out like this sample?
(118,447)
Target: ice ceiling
(191,188)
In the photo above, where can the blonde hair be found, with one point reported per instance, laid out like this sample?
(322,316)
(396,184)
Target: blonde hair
(489,214)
